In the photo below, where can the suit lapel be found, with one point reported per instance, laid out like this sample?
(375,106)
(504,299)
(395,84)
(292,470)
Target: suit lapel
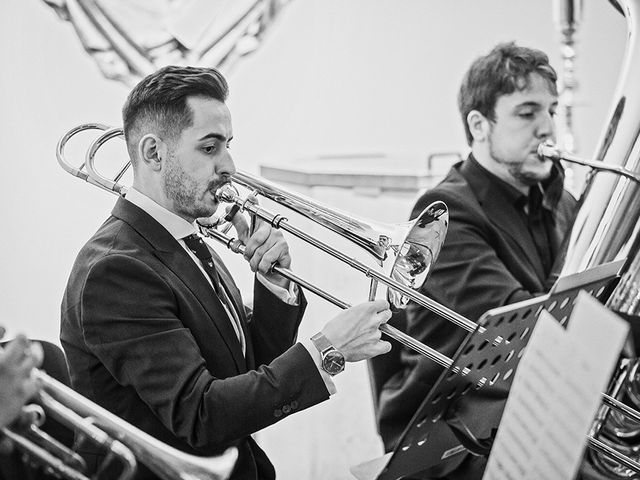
(175,258)
(502,213)
(234,295)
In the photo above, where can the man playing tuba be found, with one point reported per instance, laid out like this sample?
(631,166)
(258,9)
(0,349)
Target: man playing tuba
(508,210)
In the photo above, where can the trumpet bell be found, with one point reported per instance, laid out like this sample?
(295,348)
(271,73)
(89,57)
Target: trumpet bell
(423,238)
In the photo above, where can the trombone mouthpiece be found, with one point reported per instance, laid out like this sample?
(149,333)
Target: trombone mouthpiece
(226,193)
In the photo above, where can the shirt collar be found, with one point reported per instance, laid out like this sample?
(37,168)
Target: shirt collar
(512,194)
(551,188)
(178,227)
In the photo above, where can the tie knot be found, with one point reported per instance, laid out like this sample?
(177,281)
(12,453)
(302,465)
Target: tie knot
(195,243)
(194,237)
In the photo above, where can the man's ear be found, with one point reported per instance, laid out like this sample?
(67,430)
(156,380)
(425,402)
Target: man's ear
(151,151)
(478,125)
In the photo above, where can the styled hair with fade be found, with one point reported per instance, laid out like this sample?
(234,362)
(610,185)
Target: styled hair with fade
(502,71)
(160,100)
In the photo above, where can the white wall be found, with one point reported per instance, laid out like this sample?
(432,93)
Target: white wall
(333,76)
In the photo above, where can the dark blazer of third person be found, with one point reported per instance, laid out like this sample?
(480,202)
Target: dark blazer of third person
(491,251)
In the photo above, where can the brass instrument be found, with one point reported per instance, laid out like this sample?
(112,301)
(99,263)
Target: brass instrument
(606,229)
(549,150)
(121,440)
(407,250)
(567,18)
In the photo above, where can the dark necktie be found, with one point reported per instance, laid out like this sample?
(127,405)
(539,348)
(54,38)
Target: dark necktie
(195,243)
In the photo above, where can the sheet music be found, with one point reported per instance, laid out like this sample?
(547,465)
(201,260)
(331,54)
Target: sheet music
(555,394)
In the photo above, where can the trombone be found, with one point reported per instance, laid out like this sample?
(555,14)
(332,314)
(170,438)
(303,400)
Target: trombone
(410,248)
(123,442)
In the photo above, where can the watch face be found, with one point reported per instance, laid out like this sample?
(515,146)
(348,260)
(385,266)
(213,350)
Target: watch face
(333,362)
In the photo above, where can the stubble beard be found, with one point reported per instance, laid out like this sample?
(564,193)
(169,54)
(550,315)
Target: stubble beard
(183,191)
(516,168)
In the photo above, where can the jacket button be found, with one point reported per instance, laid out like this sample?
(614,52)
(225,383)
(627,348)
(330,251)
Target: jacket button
(277,413)
(286,409)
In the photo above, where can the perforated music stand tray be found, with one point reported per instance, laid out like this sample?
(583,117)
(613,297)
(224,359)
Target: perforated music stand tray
(471,394)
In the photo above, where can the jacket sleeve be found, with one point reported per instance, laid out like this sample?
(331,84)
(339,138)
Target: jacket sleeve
(136,331)
(274,323)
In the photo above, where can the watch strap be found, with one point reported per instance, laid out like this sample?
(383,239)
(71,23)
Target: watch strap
(321,342)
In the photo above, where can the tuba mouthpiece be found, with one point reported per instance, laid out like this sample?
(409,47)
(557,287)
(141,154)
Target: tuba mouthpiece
(548,150)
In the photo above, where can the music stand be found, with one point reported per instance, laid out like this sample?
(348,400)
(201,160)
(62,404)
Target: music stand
(462,411)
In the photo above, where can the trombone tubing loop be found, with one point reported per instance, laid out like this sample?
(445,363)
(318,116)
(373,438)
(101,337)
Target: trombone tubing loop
(426,302)
(235,246)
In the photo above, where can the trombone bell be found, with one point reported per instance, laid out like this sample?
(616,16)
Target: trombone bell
(418,251)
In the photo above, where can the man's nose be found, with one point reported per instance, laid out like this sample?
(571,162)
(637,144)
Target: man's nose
(546,127)
(226,166)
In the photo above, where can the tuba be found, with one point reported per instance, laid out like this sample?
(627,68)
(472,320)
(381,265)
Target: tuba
(607,229)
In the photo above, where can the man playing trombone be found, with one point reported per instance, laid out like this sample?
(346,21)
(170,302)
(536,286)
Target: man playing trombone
(509,213)
(152,323)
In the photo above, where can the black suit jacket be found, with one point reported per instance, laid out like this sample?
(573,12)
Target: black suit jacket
(488,259)
(147,338)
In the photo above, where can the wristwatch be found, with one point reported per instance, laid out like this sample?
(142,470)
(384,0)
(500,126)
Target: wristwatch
(332,359)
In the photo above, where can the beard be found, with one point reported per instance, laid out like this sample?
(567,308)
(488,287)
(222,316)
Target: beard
(520,169)
(184,191)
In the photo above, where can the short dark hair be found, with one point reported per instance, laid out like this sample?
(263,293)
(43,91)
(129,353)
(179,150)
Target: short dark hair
(502,71)
(161,99)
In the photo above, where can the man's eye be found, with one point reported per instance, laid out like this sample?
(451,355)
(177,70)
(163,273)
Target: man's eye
(209,148)
(525,114)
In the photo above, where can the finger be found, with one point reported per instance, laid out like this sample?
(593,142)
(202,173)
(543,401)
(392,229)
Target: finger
(377,336)
(268,260)
(383,347)
(380,305)
(242,227)
(29,388)
(37,353)
(259,242)
(384,316)
(15,349)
